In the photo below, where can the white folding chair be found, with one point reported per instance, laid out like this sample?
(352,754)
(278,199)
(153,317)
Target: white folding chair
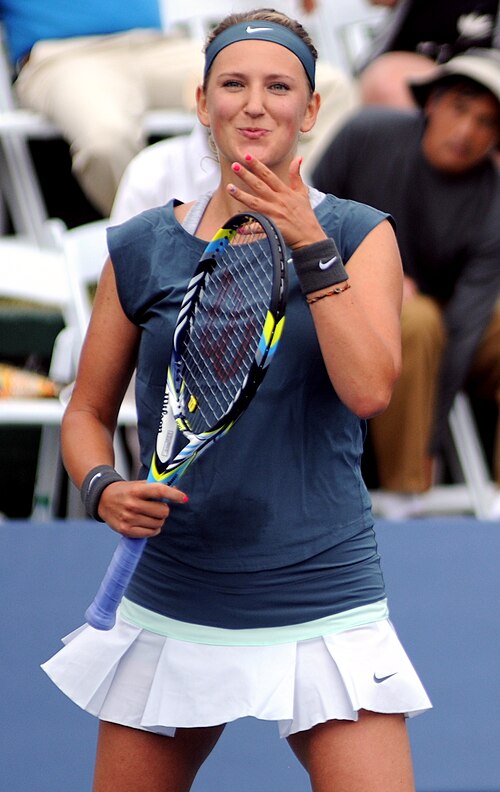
(57,276)
(19,186)
(481,489)
(84,250)
(472,490)
(30,273)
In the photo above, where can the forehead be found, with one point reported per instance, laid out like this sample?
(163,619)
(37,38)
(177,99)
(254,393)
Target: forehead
(483,101)
(259,57)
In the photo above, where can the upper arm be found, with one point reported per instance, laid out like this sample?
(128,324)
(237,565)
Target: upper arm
(108,354)
(376,272)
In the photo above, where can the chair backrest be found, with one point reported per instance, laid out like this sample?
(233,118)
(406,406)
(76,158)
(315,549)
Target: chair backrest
(84,250)
(28,272)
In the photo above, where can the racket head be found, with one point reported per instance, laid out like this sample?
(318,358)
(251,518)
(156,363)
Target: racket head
(227,331)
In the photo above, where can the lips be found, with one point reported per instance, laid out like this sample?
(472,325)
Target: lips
(253,134)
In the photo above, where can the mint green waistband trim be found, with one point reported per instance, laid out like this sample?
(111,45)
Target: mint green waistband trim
(259,636)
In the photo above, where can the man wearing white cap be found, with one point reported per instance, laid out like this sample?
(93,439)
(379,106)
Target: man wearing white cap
(433,169)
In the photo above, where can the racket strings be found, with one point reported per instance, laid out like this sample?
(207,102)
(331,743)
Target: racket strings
(225,331)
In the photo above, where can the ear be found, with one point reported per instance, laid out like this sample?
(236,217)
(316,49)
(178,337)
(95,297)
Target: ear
(311,113)
(201,106)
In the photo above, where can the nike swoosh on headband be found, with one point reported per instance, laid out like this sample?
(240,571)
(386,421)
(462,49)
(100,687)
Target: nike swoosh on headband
(251,29)
(324,265)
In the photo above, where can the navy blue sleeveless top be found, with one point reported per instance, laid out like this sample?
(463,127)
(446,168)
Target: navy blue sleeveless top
(284,485)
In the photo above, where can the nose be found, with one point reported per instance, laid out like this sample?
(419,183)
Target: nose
(467,128)
(254,106)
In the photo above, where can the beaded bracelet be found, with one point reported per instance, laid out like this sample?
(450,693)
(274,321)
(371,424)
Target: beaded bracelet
(94,484)
(338,290)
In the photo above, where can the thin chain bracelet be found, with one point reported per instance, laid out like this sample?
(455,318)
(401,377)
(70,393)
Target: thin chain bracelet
(337,290)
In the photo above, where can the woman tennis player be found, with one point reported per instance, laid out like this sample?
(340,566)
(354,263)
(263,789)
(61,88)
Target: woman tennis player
(260,591)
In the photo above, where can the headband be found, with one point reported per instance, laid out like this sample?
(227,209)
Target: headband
(260,30)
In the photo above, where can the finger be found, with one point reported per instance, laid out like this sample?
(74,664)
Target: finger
(142,514)
(159,491)
(249,179)
(296,182)
(253,172)
(138,531)
(175,495)
(248,200)
(151,512)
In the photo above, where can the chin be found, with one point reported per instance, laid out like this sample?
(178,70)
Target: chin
(454,165)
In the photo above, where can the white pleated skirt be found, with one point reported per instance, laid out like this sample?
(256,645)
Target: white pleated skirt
(145,680)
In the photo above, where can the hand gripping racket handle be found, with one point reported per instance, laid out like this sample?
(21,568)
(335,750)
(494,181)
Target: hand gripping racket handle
(101,614)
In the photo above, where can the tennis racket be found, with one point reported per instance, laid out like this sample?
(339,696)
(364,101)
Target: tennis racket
(229,325)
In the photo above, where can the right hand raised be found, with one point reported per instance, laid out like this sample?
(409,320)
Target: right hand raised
(137,508)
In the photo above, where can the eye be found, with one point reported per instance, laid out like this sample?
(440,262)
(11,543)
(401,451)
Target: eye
(279,87)
(232,84)
(490,123)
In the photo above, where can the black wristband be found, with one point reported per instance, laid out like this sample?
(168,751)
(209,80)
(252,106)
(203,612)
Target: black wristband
(94,484)
(318,265)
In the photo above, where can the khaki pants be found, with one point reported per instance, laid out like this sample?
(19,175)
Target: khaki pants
(97,90)
(401,435)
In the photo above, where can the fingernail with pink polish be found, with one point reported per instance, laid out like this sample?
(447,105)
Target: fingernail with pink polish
(236,167)
(248,157)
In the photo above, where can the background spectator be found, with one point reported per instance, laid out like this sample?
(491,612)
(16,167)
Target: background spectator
(433,171)
(94,69)
(418,34)
(181,167)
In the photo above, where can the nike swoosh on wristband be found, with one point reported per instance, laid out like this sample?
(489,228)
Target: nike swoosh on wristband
(93,481)
(323,265)
(251,29)
(378,680)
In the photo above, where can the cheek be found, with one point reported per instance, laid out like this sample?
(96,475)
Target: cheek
(221,111)
(291,119)
(486,140)
(219,117)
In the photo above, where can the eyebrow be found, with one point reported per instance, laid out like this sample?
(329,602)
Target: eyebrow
(242,75)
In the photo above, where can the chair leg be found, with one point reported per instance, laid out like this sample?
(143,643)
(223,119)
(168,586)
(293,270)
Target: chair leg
(471,456)
(22,191)
(74,506)
(48,477)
